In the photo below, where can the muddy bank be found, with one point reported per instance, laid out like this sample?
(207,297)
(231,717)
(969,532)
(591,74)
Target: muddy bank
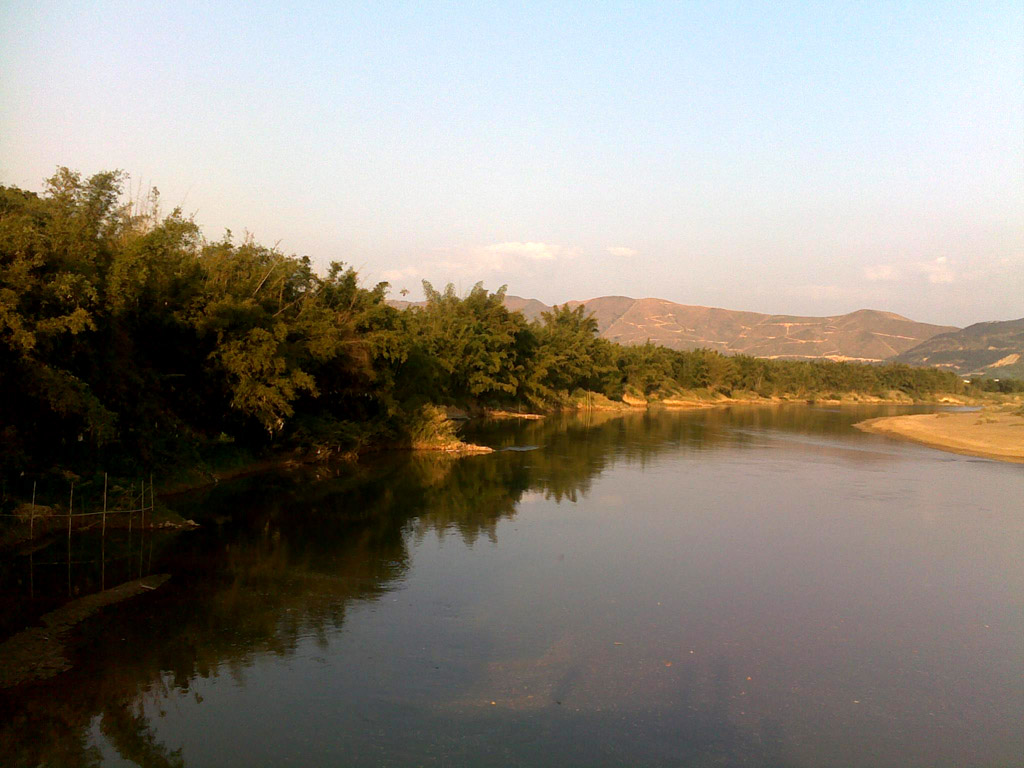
(457,448)
(989,434)
(39,652)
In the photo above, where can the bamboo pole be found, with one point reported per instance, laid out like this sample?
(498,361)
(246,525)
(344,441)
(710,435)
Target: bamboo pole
(131,502)
(31,552)
(142,526)
(71,502)
(152,509)
(103,539)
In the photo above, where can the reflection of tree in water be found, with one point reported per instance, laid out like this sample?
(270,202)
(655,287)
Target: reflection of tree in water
(131,735)
(469,496)
(230,600)
(281,556)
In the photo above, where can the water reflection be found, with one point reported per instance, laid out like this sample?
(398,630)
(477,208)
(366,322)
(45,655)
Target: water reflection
(471,636)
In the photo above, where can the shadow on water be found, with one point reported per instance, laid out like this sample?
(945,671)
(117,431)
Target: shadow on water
(283,557)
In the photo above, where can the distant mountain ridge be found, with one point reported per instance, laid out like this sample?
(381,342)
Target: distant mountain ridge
(865,335)
(993,349)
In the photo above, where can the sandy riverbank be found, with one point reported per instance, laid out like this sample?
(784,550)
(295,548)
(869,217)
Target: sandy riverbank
(991,434)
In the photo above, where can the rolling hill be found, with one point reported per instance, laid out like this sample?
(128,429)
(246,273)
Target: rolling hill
(993,349)
(866,335)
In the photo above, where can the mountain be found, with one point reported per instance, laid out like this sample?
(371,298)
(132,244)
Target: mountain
(862,335)
(531,308)
(866,335)
(990,349)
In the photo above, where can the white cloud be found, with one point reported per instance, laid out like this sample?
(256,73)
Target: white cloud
(533,251)
(493,263)
(882,273)
(938,271)
(398,275)
(501,258)
(622,251)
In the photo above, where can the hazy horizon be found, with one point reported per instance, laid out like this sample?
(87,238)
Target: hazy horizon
(778,159)
(462,290)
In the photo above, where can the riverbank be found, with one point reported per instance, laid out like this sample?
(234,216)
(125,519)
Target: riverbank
(436,432)
(991,434)
(40,651)
(693,399)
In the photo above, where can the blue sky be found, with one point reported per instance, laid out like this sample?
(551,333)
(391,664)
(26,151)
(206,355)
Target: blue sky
(809,158)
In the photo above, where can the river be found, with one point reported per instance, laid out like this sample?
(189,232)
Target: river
(746,586)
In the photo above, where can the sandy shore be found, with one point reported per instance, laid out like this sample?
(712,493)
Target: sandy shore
(991,434)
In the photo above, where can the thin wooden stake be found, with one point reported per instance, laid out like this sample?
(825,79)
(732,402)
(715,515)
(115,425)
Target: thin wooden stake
(71,502)
(103,539)
(142,526)
(31,553)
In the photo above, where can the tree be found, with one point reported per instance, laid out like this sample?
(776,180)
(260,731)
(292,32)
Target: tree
(467,348)
(568,351)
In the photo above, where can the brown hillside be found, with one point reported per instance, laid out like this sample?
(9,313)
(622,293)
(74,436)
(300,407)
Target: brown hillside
(680,326)
(990,349)
(606,310)
(861,335)
(531,308)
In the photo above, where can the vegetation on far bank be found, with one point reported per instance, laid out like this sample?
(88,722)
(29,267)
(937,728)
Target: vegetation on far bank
(130,342)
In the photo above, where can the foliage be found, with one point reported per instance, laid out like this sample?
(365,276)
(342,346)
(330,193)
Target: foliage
(1002,385)
(128,340)
(466,348)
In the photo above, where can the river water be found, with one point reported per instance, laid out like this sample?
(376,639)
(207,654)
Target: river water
(745,586)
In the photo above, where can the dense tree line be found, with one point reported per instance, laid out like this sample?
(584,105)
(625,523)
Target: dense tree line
(1002,386)
(127,340)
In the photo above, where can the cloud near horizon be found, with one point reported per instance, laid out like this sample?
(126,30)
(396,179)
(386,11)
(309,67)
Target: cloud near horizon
(497,260)
(882,273)
(938,271)
(533,251)
(623,251)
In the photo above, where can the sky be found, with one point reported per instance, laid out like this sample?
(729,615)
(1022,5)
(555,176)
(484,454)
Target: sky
(803,158)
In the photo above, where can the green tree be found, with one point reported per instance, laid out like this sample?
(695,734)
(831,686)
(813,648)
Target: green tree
(467,348)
